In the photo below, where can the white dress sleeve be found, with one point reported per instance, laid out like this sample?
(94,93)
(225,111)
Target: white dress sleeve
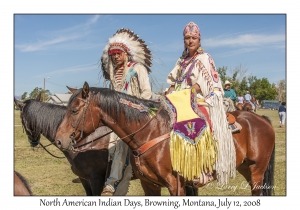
(171,78)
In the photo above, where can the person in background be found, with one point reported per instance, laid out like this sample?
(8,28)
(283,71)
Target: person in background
(248,99)
(240,99)
(229,92)
(282,114)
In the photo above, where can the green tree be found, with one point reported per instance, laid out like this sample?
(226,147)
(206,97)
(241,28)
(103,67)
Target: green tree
(243,87)
(235,76)
(23,97)
(281,90)
(222,73)
(254,84)
(262,89)
(36,91)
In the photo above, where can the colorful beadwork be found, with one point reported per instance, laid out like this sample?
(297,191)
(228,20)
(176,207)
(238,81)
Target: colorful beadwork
(141,107)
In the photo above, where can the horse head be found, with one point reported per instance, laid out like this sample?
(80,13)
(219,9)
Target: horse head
(228,105)
(32,135)
(80,119)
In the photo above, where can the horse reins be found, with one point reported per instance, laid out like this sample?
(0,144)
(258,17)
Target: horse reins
(82,116)
(75,148)
(44,147)
(137,152)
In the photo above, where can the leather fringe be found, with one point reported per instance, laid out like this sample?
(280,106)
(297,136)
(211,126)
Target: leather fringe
(190,160)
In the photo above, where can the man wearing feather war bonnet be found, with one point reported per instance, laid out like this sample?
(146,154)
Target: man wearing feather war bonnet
(125,63)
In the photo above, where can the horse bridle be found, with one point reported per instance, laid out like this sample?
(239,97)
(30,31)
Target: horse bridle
(82,117)
(136,153)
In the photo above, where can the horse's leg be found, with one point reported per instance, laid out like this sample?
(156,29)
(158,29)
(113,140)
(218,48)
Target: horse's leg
(150,189)
(174,184)
(191,191)
(97,183)
(244,170)
(87,187)
(257,176)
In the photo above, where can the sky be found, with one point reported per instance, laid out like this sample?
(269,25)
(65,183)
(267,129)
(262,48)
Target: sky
(59,50)
(66,48)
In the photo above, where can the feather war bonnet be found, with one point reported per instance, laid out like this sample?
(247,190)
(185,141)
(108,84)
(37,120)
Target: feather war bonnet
(129,42)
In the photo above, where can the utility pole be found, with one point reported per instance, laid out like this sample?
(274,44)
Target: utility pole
(44,92)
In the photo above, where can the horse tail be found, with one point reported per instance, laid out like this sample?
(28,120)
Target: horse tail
(268,183)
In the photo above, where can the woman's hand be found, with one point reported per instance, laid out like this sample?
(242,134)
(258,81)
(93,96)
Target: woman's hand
(197,88)
(171,88)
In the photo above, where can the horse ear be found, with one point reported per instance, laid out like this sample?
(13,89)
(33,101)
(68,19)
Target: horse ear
(85,90)
(38,98)
(72,90)
(19,103)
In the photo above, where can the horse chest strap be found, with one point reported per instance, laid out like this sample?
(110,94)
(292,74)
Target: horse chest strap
(138,152)
(149,144)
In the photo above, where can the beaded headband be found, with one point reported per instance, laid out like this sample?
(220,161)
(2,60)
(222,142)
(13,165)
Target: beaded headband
(117,48)
(191,29)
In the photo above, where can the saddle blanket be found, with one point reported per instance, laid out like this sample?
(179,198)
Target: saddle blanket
(193,149)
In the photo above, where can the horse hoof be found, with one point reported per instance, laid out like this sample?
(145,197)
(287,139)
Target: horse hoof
(77,180)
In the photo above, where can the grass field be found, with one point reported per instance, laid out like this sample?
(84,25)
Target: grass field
(47,175)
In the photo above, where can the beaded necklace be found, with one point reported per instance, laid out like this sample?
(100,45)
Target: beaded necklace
(180,73)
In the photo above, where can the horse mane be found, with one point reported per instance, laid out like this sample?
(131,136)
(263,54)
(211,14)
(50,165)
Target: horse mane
(109,101)
(267,118)
(44,118)
(232,107)
(24,181)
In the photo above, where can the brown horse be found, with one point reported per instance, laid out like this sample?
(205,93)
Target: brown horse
(245,107)
(88,158)
(148,138)
(21,186)
(239,106)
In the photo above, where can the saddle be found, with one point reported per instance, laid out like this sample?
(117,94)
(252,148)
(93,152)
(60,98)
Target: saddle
(234,126)
(230,118)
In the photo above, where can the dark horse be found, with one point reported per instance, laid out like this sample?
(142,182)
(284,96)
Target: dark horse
(148,138)
(90,165)
(21,186)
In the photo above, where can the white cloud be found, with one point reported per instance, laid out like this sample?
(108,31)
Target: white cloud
(93,19)
(79,68)
(238,51)
(246,40)
(59,37)
(41,45)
